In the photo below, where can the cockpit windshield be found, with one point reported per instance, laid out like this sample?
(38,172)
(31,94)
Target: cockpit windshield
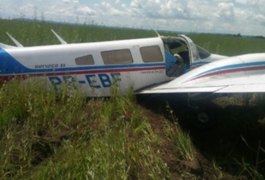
(177,46)
(181,52)
(203,53)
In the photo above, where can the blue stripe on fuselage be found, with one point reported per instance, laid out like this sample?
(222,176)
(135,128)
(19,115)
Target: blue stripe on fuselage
(9,65)
(234,66)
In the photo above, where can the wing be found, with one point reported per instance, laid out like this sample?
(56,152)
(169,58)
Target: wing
(230,85)
(242,74)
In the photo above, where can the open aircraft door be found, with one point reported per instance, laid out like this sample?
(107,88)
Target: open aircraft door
(179,53)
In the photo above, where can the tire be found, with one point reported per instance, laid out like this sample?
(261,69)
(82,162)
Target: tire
(201,118)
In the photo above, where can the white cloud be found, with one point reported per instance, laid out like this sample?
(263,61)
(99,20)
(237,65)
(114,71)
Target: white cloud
(183,15)
(241,1)
(85,10)
(226,11)
(71,1)
(28,10)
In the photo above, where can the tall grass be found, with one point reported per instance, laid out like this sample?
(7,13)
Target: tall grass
(46,135)
(181,140)
(28,113)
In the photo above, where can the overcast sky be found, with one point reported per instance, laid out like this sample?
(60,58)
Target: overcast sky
(216,16)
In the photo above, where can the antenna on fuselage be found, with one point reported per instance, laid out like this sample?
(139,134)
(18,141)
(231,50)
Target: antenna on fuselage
(16,42)
(157,33)
(62,41)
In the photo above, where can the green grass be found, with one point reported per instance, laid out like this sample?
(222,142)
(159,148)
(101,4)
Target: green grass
(39,33)
(228,44)
(182,141)
(48,135)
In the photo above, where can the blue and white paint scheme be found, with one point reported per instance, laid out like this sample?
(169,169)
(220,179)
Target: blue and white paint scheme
(166,64)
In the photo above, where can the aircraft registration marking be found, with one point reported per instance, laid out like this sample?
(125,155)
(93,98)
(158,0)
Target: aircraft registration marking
(101,80)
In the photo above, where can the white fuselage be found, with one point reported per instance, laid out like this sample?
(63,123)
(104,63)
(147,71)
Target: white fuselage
(92,66)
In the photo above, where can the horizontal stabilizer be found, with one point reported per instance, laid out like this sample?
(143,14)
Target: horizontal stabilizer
(16,42)
(62,41)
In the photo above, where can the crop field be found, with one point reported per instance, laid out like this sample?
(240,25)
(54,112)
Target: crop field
(63,135)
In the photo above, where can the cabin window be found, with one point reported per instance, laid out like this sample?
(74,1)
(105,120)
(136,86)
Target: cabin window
(85,60)
(122,56)
(151,54)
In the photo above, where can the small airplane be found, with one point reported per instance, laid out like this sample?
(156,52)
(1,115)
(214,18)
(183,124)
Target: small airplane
(148,65)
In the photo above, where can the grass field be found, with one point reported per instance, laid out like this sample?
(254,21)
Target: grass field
(39,33)
(46,135)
